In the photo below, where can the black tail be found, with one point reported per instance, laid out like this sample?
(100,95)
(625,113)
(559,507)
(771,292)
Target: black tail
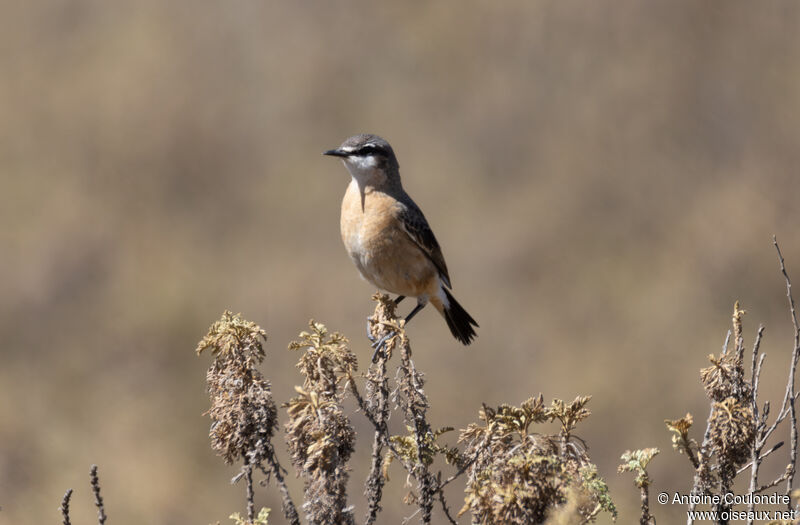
(459,321)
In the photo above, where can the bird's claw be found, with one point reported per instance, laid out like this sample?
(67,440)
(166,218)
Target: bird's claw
(380,344)
(369,330)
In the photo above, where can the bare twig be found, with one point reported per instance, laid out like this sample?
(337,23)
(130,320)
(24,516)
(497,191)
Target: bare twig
(755,370)
(774,482)
(755,451)
(408,519)
(248,477)
(289,509)
(445,508)
(761,457)
(440,485)
(790,396)
(98,500)
(463,468)
(726,343)
(755,383)
(65,507)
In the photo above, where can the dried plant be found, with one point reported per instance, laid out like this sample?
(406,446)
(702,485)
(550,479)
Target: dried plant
(680,439)
(521,476)
(515,473)
(415,451)
(98,500)
(94,482)
(243,414)
(65,507)
(737,428)
(318,433)
(377,406)
(636,461)
(549,474)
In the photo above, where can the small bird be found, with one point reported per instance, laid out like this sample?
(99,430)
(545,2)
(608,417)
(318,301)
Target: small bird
(387,236)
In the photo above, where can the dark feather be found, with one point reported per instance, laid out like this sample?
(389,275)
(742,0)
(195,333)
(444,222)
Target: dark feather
(417,227)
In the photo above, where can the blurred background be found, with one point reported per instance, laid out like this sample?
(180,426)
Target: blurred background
(604,178)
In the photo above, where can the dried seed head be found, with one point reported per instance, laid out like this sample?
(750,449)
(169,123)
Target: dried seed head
(243,414)
(732,430)
(319,435)
(725,378)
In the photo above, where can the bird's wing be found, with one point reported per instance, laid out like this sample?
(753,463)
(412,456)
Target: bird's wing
(417,228)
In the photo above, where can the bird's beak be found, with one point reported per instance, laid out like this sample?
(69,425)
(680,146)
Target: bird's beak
(336,153)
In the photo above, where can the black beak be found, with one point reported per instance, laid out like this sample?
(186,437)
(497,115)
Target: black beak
(336,153)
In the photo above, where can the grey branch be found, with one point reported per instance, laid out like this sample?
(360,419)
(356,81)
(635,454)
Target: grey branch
(289,509)
(790,397)
(98,500)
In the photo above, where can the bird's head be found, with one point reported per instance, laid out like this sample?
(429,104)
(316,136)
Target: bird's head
(365,156)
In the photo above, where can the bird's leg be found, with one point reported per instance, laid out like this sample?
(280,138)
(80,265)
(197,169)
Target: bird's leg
(378,345)
(369,323)
(378,349)
(420,306)
(369,331)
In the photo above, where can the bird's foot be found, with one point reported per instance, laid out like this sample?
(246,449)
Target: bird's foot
(369,330)
(380,344)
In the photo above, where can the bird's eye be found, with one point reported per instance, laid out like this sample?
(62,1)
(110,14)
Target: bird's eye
(368,149)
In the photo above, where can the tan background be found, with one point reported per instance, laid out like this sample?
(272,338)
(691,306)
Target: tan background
(604,178)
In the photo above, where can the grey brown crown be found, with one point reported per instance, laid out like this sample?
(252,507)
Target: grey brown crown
(363,145)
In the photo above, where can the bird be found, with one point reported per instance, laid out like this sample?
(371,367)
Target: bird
(388,238)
